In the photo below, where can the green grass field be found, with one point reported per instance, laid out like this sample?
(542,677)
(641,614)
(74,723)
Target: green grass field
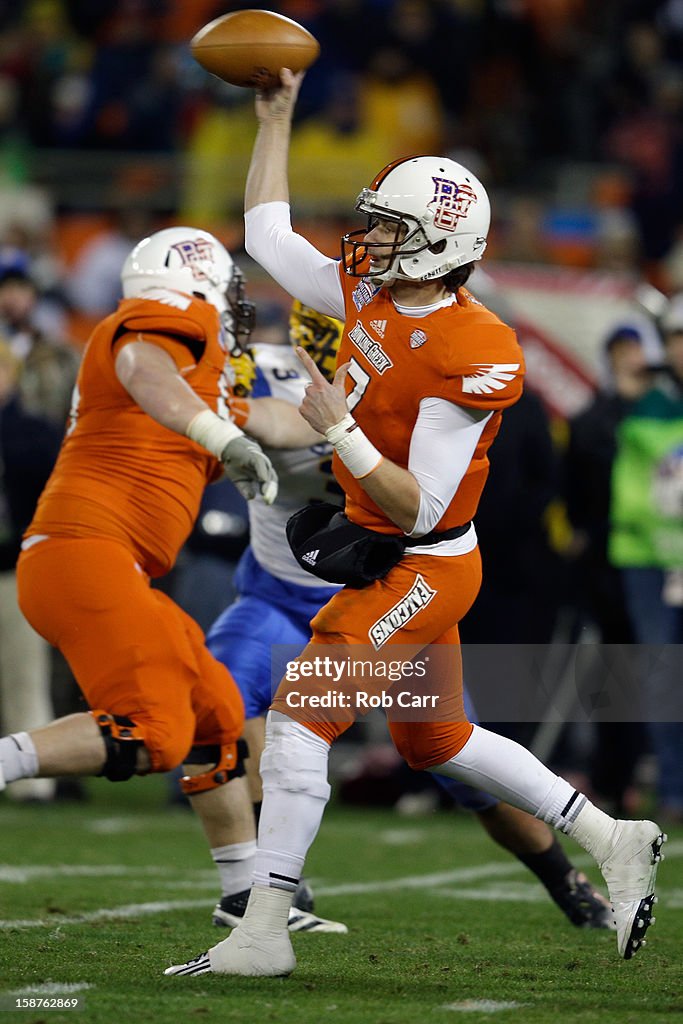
(443,925)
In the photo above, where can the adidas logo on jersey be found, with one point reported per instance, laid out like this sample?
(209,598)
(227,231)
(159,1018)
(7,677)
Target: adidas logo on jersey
(489,378)
(311,556)
(379,326)
(417,598)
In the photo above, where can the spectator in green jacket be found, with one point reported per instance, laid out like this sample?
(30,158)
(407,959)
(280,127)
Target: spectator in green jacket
(646,543)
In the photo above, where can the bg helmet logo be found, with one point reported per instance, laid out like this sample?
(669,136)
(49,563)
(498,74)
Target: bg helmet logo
(193,252)
(451,203)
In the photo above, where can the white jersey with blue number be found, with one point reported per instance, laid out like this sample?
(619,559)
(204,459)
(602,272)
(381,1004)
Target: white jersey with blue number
(305,474)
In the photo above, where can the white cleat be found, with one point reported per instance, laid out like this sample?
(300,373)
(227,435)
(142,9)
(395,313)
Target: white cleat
(630,871)
(198,965)
(302,921)
(245,954)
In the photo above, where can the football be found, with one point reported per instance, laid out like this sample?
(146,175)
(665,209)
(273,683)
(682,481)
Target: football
(248,48)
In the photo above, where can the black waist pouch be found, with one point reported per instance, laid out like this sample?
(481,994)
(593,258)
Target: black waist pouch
(328,545)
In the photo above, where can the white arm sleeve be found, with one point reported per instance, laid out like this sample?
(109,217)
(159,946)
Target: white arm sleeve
(441,448)
(301,269)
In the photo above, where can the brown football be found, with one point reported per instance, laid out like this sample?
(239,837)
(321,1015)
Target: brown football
(249,47)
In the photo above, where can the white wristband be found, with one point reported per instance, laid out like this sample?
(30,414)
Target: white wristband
(211,432)
(358,454)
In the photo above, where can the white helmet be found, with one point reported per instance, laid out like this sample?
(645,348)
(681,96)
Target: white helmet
(442,210)
(191,261)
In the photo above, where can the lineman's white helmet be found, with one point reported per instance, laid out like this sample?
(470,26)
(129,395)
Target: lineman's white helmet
(183,259)
(191,261)
(441,209)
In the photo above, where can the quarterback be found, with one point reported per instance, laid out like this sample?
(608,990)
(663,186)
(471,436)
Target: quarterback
(276,600)
(425,373)
(149,428)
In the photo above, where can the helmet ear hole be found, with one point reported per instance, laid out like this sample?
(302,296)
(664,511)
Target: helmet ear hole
(438,247)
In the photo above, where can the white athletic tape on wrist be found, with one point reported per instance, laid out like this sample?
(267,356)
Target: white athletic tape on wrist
(211,432)
(358,454)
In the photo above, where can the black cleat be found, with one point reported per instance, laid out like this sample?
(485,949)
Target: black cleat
(581,903)
(230,911)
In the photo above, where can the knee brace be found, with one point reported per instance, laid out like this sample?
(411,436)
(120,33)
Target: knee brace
(122,739)
(228,763)
(294,758)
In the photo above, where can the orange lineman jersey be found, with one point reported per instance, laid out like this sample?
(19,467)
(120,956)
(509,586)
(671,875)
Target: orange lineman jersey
(462,353)
(120,474)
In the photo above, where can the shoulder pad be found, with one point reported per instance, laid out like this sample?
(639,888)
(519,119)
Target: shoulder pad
(164,314)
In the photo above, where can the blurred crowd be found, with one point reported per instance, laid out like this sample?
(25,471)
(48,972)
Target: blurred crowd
(569,109)
(572,113)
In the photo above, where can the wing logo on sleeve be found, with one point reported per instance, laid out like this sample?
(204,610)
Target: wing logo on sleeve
(417,598)
(489,377)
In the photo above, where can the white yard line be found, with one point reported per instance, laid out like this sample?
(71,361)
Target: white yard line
(51,988)
(491,870)
(106,914)
(497,869)
(482,1006)
(494,869)
(513,892)
(30,872)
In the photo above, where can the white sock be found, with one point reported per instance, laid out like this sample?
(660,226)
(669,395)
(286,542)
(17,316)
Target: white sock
(235,864)
(509,771)
(281,870)
(295,791)
(18,757)
(504,768)
(579,818)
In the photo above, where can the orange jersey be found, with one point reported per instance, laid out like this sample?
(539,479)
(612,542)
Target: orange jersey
(120,474)
(462,353)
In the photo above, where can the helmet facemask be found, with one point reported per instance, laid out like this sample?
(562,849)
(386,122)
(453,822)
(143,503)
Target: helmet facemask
(358,255)
(239,318)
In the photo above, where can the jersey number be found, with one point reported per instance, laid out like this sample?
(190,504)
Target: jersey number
(361,379)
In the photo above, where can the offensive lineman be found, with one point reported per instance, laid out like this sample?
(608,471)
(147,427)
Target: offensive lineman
(429,372)
(149,428)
